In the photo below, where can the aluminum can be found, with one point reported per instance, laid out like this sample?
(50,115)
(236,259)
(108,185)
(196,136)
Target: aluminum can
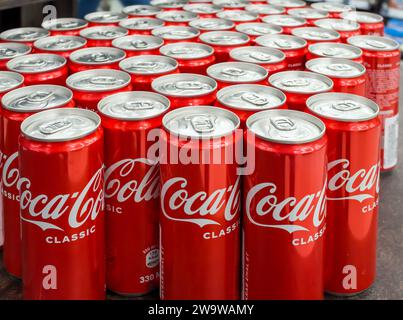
(167,5)
(95,58)
(288,4)
(173,34)
(177,17)
(137,45)
(206,236)
(203,10)
(102,36)
(60,45)
(353,130)
(309,14)
(265,9)
(286,22)
(65,26)
(11,50)
(238,16)
(212,24)
(8,82)
(314,35)
(346,28)
(105,18)
(24,35)
(370,23)
(141,11)
(282,212)
(257,29)
(229,5)
(141,26)
(333,8)
(334,50)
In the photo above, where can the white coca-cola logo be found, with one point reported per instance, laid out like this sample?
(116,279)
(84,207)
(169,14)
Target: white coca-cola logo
(10,173)
(200,207)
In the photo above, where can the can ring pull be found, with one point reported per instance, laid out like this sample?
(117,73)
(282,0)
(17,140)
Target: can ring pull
(100,57)
(29,35)
(53,127)
(138,105)
(139,44)
(254,98)
(298,82)
(283,123)
(233,72)
(202,123)
(104,80)
(346,105)
(7,52)
(283,43)
(339,67)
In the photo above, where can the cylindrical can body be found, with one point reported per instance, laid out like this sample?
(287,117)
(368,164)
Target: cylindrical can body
(370,23)
(10,50)
(345,28)
(334,9)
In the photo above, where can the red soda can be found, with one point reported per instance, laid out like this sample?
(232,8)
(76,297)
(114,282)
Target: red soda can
(370,23)
(347,76)
(247,99)
(286,22)
(265,9)
(91,86)
(105,18)
(167,5)
(40,68)
(284,207)
(353,130)
(230,73)
(223,42)
(203,10)
(141,26)
(17,105)
(382,61)
(132,254)
(309,14)
(333,8)
(11,50)
(201,1)
(298,86)
(8,82)
(141,11)
(229,5)
(288,4)
(345,28)
(200,207)
(24,35)
(315,34)
(102,36)
(238,16)
(61,45)
(186,89)
(65,26)
(257,29)
(334,50)
(95,58)
(212,24)
(173,34)
(145,69)
(70,237)
(177,17)
(294,48)
(272,60)
(137,45)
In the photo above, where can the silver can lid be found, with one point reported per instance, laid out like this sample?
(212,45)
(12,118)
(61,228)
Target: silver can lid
(138,43)
(168,4)
(344,107)
(265,9)
(64,24)
(258,28)
(373,43)
(337,24)
(177,16)
(289,3)
(10,50)
(308,13)
(201,122)
(284,20)
(237,15)
(362,17)
(36,98)
(98,80)
(97,55)
(103,32)
(282,42)
(141,10)
(315,33)
(176,32)
(335,50)
(286,126)
(148,64)
(36,63)
(224,38)
(258,55)
(336,67)
(302,82)
(233,4)
(105,17)
(331,6)
(10,80)
(24,34)
(60,43)
(251,97)
(237,72)
(135,105)
(141,23)
(202,8)
(184,85)
(212,24)
(59,125)
(186,51)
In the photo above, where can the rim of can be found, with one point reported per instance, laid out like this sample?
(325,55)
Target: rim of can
(283,113)
(211,110)
(262,41)
(12,95)
(128,23)
(67,112)
(14,46)
(359,16)
(299,32)
(134,94)
(309,13)
(270,51)
(357,51)
(278,19)
(361,69)
(196,24)
(125,67)
(231,3)
(119,42)
(120,32)
(53,24)
(289,3)
(133,10)
(269,26)
(254,8)
(40,43)
(13,75)
(186,16)
(237,15)
(167,4)
(192,7)
(355,41)
(11,64)
(193,32)
(238,65)
(99,16)
(164,50)
(204,37)
(5,34)
(238,87)
(331,6)
(327,24)
(333,96)
(74,56)
(98,72)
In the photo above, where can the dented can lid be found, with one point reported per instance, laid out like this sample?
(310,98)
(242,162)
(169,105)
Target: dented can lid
(24,34)
(10,80)
(60,43)
(141,10)
(265,9)
(335,50)
(168,4)
(237,72)
(138,43)
(373,43)
(233,4)
(187,51)
(308,13)
(212,24)
(258,55)
(103,32)
(148,65)
(362,16)
(98,80)
(176,32)
(282,42)
(337,24)
(331,7)
(36,63)
(97,55)
(224,38)
(141,23)
(105,17)
(315,33)
(177,16)
(258,28)
(64,24)
(202,8)
(284,20)
(237,15)
(10,50)
(289,3)
(336,67)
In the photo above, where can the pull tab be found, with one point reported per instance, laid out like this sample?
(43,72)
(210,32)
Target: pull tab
(37,100)
(109,17)
(227,39)
(376,44)
(254,98)
(299,82)
(209,25)
(106,34)
(53,127)
(39,96)
(37,63)
(178,33)
(315,34)
(189,85)
(259,30)
(29,35)
(138,105)
(70,24)
(7,52)
(141,23)
(261,56)
(183,51)
(339,67)
(283,123)
(100,57)
(346,105)
(64,43)
(139,44)
(283,43)
(103,81)
(202,123)
(177,17)
(233,72)
(145,66)
(331,52)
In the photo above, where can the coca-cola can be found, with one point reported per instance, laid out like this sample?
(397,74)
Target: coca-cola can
(288,4)
(102,36)
(294,48)
(333,8)
(229,5)
(186,89)
(141,26)
(95,58)
(347,76)
(105,18)
(137,45)
(286,22)
(61,45)
(247,99)
(17,105)
(309,14)
(298,86)
(382,61)
(145,69)
(167,5)
(91,86)
(141,11)
(70,237)
(370,23)
(212,24)
(314,34)
(65,26)
(171,34)
(284,207)
(177,17)
(40,68)
(265,9)
(11,50)
(200,219)
(334,50)
(24,35)
(203,10)
(238,16)
(353,130)
(345,28)
(223,42)
(8,82)
(257,29)
(132,253)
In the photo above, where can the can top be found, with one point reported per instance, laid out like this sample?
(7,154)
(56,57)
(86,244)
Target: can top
(202,8)
(148,64)
(331,6)
(36,63)
(337,24)
(286,126)
(64,24)
(10,50)
(212,24)
(168,4)
(315,33)
(187,51)
(224,38)
(103,32)
(258,28)
(265,9)
(138,42)
(141,23)
(373,43)
(10,80)
(24,34)
(362,17)
(345,107)
(59,125)
(177,16)
(201,122)
(336,67)
(36,98)
(135,105)
(97,55)
(237,15)
(289,3)
(308,13)
(237,72)
(233,4)
(251,97)
(258,55)
(60,43)
(284,20)
(98,80)
(302,82)
(282,42)
(184,85)
(105,17)
(141,10)
(335,50)
(176,32)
